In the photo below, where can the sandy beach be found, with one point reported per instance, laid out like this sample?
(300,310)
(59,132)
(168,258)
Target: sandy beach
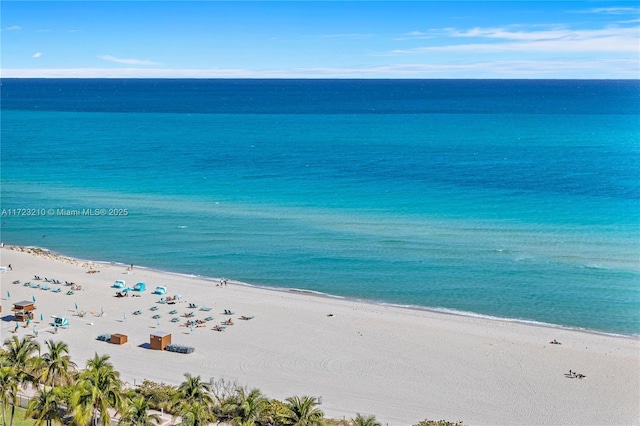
(402,365)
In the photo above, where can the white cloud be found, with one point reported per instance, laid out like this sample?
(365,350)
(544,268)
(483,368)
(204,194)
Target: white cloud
(613,10)
(127,61)
(557,40)
(588,69)
(37,55)
(13,28)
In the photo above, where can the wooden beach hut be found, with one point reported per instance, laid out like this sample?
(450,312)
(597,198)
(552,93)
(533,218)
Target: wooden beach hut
(23,310)
(159,340)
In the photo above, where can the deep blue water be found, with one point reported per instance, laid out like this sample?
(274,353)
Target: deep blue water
(516,199)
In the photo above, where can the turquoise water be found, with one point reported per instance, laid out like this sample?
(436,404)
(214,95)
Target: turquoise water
(514,199)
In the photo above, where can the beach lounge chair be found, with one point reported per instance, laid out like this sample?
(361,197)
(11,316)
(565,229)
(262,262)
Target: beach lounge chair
(137,312)
(154,308)
(160,290)
(193,306)
(70,292)
(228,312)
(140,287)
(246,318)
(208,319)
(156,316)
(57,290)
(16,282)
(118,284)
(104,337)
(205,308)
(175,319)
(45,287)
(173,312)
(35,285)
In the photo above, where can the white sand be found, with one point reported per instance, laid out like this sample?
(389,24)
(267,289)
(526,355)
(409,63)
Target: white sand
(402,365)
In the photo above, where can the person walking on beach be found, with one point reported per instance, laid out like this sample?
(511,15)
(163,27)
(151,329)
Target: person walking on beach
(9,267)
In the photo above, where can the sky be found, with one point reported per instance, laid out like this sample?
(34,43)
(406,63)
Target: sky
(321,39)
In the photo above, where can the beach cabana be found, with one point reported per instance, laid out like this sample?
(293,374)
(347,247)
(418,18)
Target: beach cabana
(23,310)
(140,287)
(160,290)
(159,340)
(60,322)
(119,284)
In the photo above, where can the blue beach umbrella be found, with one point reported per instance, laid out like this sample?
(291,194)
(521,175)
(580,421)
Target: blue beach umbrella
(41,317)
(76,306)
(33,298)
(8,295)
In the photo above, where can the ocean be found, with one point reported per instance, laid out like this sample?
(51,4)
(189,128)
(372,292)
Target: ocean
(515,199)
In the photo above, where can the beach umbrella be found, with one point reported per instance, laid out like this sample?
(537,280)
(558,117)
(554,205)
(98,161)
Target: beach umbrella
(17,324)
(125,316)
(101,311)
(33,298)
(158,322)
(8,295)
(35,332)
(28,322)
(76,306)
(41,317)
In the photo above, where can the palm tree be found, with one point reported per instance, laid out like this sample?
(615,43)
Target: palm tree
(136,413)
(193,388)
(99,389)
(8,391)
(194,401)
(194,413)
(19,355)
(57,363)
(245,408)
(303,411)
(44,407)
(360,420)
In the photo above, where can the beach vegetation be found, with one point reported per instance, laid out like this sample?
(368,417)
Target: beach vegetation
(99,389)
(20,356)
(303,411)
(195,413)
(8,391)
(160,396)
(57,367)
(23,356)
(438,423)
(45,407)
(136,412)
(361,420)
(246,407)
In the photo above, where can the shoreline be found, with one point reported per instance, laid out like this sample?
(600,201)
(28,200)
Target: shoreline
(402,365)
(444,311)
